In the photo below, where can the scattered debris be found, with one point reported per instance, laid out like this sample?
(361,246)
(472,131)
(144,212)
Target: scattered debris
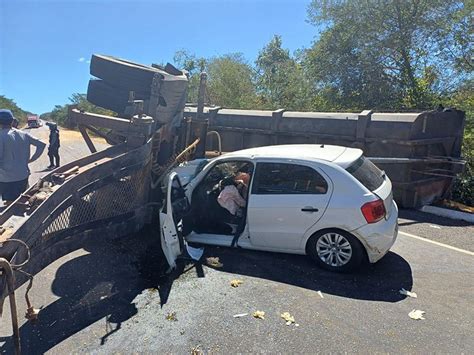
(171,316)
(408,293)
(320,294)
(240,315)
(297,325)
(288,318)
(214,261)
(194,253)
(32,314)
(457,206)
(436,227)
(259,314)
(236,283)
(196,350)
(416,314)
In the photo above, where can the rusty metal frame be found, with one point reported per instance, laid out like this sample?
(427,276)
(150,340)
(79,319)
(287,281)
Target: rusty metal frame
(125,165)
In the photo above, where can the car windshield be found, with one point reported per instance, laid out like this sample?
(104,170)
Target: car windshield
(367,173)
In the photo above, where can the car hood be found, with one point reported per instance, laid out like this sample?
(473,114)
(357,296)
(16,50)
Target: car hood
(187,171)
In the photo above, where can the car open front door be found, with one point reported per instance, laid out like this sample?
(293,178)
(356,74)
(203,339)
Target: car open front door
(175,205)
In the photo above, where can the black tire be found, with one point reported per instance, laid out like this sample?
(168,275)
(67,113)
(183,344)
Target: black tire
(356,250)
(129,75)
(109,97)
(122,76)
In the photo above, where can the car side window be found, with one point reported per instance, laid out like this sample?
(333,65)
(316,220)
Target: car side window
(226,169)
(287,179)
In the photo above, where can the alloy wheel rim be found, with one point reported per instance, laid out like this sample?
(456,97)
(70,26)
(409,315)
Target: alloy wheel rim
(334,249)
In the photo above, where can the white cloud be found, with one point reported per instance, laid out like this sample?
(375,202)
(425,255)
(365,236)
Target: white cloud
(82,59)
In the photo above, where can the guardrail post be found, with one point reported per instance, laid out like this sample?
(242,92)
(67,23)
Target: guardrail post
(277,115)
(362,123)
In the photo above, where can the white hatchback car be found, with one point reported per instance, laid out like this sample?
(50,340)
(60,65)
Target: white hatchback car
(328,202)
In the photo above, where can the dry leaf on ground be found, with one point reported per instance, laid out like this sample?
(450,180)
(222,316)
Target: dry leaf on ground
(416,314)
(196,350)
(288,318)
(236,283)
(214,261)
(408,293)
(259,314)
(171,316)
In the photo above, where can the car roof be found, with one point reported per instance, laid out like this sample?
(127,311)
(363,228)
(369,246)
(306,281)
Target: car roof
(339,155)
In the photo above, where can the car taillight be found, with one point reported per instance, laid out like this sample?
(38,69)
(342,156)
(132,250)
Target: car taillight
(373,211)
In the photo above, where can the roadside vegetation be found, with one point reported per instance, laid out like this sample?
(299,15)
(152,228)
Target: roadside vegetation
(9,104)
(380,55)
(59,112)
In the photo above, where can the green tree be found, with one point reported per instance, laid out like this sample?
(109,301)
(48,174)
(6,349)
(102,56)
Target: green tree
(388,51)
(188,61)
(9,104)
(280,80)
(230,79)
(59,114)
(230,82)
(346,78)
(463,99)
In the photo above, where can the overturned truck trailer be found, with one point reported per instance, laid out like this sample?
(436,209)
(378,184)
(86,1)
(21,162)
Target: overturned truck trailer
(420,152)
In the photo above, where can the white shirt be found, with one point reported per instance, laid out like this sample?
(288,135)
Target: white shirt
(230,199)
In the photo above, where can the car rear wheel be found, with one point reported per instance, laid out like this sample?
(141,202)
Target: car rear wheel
(335,250)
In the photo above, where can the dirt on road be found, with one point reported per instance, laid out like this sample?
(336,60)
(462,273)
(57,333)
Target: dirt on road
(72,148)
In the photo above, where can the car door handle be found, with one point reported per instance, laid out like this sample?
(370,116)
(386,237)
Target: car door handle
(309,209)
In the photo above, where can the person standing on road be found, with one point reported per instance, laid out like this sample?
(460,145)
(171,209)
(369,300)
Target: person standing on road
(14,157)
(53,149)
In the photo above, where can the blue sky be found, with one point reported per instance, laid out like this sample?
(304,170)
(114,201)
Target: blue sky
(45,45)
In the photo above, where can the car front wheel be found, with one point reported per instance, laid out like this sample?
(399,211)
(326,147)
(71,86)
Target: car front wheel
(335,250)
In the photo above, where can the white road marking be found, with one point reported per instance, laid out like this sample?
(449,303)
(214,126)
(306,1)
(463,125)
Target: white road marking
(437,243)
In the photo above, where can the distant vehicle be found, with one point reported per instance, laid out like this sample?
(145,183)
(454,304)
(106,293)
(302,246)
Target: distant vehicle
(328,202)
(34,121)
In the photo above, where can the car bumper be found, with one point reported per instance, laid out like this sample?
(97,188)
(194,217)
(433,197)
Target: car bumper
(379,237)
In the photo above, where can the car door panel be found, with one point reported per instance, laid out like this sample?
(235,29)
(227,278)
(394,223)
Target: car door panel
(175,206)
(281,220)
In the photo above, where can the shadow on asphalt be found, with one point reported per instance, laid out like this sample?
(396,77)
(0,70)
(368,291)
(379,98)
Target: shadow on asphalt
(379,282)
(418,217)
(103,284)
(91,287)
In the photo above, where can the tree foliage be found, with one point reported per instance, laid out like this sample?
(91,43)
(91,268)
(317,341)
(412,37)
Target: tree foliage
(230,79)
(59,114)
(281,81)
(18,113)
(463,99)
(230,82)
(389,54)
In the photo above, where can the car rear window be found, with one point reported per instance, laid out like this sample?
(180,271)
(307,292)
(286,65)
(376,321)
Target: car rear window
(367,173)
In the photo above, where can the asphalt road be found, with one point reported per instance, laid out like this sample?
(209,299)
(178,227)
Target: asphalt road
(112,297)
(72,148)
